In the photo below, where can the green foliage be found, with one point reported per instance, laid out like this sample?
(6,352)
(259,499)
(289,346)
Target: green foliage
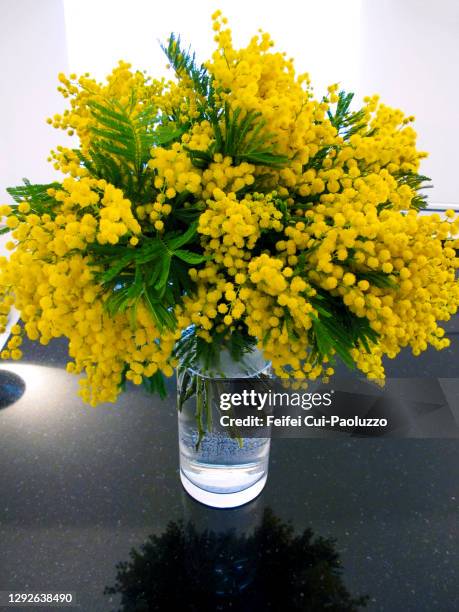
(187,387)
(317,160)
(124,134)
(194,352)
(37,195)
(416,182)
(165,135)
(121,143)
(155,273)
(241,138)
(336,329)
(346,122)
(184,63)
(155,384)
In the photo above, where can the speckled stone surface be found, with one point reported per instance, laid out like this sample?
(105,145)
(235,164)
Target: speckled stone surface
(80,487)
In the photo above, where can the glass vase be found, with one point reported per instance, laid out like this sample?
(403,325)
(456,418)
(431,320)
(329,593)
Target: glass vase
(218,467)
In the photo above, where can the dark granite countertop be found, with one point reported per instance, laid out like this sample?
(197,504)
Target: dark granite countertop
(80,487)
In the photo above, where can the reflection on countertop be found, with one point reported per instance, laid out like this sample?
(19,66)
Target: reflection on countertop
(269,568)
(81,487)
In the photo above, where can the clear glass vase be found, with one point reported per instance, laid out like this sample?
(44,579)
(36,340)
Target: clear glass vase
(218,467)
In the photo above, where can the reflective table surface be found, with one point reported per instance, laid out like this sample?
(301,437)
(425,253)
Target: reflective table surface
(91,503)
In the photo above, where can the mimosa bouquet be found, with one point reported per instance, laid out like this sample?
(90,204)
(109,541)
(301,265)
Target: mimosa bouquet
(227,208)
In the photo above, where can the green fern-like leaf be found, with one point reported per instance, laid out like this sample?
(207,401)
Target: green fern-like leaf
(36,195)
(123,133)
(346,122)
(416,182)
(184,63)
(193,351)
(156,273)
(241,137)
(121,142)
(336,329)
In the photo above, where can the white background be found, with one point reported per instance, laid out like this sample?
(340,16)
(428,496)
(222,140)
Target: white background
(407,50)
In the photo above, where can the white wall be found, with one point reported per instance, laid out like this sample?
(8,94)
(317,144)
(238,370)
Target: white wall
(406,50)
(32,52)
(322,35)
(410,55)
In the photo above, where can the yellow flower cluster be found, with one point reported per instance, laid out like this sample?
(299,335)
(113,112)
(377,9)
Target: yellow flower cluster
(299,207)
(129,89)
(49,278)
(346,235)
(257,79)
(174,171)
(234,224)
(88,210)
